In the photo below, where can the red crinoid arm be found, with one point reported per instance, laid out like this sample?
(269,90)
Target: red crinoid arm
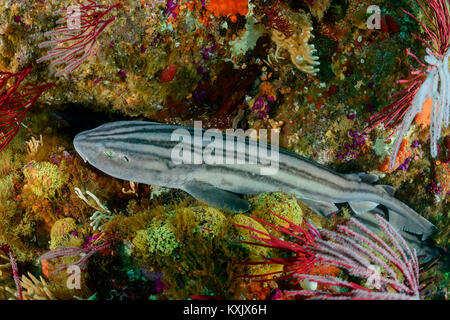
(439,20)
(15,269)
(391,115)
(353,249)
(15,102)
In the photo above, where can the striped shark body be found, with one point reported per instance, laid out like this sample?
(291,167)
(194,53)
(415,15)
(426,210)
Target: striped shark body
(142,151)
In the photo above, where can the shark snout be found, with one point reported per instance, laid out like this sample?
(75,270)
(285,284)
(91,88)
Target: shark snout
(82,146)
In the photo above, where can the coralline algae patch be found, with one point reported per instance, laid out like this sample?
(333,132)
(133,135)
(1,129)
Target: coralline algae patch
(277,202)
(43,179)
(193,245)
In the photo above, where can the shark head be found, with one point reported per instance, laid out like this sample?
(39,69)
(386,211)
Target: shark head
(104,152)
(127,150)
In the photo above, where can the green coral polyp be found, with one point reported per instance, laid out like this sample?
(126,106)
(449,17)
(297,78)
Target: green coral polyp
(157,240)
(65,233)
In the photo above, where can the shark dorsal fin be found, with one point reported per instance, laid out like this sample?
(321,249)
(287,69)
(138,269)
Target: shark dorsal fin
(389,189)
(363,177)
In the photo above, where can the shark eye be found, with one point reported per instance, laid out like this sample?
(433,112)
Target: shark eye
(109,154)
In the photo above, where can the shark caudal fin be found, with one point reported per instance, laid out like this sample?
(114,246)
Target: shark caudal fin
(408,220)
(416,224)
(412,223)
(425,249)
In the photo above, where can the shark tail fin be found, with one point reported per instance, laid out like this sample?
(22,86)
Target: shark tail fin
(426,229)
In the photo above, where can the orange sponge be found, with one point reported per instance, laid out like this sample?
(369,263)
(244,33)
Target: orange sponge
(228,8)
(423,118)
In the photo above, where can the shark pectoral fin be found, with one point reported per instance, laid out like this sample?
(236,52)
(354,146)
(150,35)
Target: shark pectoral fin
(219,198)
(369,219)
(361,207)
(363,177)
(321,207)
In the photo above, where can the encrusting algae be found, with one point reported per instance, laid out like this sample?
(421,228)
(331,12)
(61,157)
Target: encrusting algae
(43,179)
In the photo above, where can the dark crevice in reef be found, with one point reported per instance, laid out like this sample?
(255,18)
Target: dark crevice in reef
(74,118)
